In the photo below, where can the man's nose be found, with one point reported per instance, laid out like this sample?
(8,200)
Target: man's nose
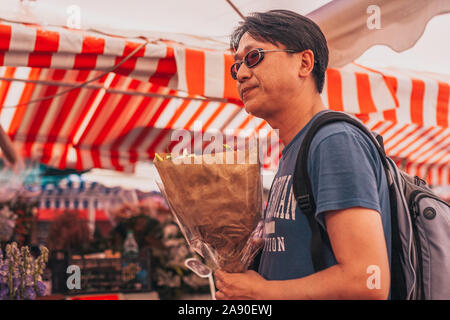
(243,73)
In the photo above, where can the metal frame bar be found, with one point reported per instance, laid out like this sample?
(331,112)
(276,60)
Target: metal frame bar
(116,91)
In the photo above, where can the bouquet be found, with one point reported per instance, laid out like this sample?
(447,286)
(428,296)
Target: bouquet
(217,204)
(21,274)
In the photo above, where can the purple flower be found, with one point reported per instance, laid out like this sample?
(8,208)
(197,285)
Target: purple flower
(4,292)
(40,288)
(20,274)
(3,273)
(28,280)
(16,283)
(29,294)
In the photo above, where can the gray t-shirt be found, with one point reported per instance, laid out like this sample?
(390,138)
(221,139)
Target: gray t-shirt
(345,171)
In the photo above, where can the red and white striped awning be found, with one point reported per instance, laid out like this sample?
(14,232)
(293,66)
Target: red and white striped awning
(419,150)
(125,97)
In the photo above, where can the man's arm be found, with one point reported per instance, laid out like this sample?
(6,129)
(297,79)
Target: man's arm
(358,242)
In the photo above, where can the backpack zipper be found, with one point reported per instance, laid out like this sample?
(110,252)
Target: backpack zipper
(417,258)
(423,195)
(410,295)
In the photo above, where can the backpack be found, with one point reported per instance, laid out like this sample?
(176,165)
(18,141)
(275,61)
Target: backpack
(420,222)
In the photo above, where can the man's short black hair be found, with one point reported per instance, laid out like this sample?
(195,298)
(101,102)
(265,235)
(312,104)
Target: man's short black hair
(291,29)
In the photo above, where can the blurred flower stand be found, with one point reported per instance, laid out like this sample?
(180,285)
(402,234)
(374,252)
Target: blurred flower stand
(100,273)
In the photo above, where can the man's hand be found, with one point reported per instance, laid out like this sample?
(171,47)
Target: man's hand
(356,235)
(239,286)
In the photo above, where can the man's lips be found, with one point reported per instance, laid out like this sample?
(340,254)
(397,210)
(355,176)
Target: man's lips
(245,91)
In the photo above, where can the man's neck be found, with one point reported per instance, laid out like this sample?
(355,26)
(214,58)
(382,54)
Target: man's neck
(295,117)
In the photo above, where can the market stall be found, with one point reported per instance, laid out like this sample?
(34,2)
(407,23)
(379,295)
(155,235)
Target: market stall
(83,99)
(93,201)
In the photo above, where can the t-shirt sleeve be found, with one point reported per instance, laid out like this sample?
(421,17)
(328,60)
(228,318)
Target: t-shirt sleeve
(342,170)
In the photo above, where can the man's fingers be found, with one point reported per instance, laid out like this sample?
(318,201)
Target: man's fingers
(218,274)
(220,295)
(219,284)
(227,292)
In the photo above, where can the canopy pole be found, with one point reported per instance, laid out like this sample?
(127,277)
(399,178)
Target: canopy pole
(7,147)
(235,9)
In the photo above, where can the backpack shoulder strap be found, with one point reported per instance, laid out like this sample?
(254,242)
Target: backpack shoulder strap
(302,185)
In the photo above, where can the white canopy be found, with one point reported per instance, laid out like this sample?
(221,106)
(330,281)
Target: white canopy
(345,23)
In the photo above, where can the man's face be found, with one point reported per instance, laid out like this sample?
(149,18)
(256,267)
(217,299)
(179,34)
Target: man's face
(268,86)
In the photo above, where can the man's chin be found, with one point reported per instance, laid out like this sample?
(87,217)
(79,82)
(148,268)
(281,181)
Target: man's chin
(253,109)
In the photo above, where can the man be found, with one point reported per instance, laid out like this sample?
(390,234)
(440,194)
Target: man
(281,82)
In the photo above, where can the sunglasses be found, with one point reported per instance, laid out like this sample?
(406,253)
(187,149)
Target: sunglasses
(251,59)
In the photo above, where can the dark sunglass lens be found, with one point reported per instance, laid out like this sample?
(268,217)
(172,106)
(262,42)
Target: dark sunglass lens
(252,58)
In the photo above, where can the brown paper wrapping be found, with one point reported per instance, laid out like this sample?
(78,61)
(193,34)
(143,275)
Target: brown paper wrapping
(218,205)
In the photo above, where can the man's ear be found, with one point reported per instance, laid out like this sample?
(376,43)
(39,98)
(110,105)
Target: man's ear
(306,63)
